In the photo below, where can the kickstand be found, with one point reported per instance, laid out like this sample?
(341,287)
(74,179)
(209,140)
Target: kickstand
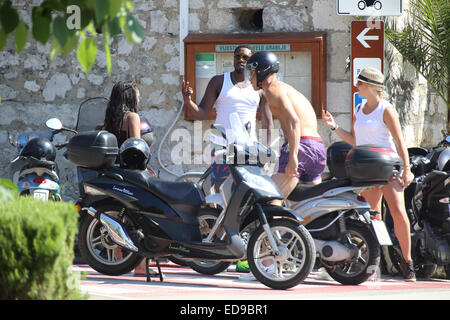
(147,270)
(161,278)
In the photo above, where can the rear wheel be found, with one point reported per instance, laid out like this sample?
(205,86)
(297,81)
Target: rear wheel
(97,248)
(207,218)
(365,260)
(295,259)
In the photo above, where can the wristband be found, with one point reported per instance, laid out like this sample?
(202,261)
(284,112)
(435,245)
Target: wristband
(335,127)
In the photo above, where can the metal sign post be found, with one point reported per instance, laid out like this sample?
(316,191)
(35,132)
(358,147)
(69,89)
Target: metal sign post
(367,50)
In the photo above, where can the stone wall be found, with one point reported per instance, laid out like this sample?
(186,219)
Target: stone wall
(34,89)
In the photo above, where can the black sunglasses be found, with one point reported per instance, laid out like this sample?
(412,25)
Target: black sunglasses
(241,56)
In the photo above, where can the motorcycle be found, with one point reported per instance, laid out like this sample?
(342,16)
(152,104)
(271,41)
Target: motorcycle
(346,236)
(35,165)
(427,204)
(145,217)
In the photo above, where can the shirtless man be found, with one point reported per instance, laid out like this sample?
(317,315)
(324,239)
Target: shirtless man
(302,156)
(229,93)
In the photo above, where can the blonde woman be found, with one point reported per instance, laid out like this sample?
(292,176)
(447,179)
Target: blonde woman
(376,122)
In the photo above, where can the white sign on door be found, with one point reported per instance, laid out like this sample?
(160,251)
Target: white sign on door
(369,7)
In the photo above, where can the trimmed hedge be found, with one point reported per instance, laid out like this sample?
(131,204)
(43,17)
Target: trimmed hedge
(36,249)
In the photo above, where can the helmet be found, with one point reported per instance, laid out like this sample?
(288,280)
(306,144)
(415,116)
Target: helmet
(443,162)
(263,63)
(134,154)
(39,148)
(146,131)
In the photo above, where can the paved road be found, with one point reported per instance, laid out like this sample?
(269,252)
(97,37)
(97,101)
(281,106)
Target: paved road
(182,283)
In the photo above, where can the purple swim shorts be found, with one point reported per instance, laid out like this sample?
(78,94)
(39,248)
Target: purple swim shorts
(219,172)
(311,156)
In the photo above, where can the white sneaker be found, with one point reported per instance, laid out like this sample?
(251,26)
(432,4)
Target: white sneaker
(247,277)
(250,277)
(323,275)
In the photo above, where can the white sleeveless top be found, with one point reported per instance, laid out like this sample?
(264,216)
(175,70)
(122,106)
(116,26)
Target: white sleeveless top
(244,101)
(371,129)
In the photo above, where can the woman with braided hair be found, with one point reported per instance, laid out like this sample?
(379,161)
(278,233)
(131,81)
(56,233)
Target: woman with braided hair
(121,117)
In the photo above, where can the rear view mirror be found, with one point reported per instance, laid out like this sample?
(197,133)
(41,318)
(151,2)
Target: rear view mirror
(54,124)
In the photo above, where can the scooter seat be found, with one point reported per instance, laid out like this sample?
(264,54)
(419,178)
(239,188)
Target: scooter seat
(302,193)
(184,195)
(32,162)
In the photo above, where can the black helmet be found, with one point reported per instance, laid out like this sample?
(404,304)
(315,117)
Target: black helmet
(39,148)
(264,63)
(134,154)
(443,162)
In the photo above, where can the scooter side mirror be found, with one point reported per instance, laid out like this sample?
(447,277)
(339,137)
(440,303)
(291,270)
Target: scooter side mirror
(12,139)
(54,124)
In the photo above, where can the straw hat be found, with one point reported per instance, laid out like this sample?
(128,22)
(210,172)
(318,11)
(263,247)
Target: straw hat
(372,76)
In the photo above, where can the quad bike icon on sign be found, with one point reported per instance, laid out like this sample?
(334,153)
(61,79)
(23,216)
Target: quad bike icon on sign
(369,3)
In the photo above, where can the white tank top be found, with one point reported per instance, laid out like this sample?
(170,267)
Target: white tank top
(244,101)
(371,129)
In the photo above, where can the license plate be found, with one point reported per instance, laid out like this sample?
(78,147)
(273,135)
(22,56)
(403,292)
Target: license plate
(40,194)
(381,232)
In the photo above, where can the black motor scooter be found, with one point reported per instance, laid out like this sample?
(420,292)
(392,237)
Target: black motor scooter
(428,209)
(145,217)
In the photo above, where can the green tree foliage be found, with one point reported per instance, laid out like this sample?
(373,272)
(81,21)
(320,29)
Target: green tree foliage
(70,25)
(425,42)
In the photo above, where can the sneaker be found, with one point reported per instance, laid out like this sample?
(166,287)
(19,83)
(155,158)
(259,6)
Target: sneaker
(250,277)
(242,266)
(247,277)
(408,271)
(323,275)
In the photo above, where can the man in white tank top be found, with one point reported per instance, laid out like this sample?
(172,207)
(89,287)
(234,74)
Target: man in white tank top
(229,93)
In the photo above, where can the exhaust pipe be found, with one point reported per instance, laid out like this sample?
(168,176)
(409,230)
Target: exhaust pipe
(115,230)
(333,250)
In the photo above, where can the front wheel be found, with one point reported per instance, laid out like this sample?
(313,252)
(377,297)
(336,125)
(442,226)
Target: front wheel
(294,261)
(377,5)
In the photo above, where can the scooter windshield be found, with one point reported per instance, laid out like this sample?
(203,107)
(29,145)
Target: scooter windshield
(240,133)
(91,114)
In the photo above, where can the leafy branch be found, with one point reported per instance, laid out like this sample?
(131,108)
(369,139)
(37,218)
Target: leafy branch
(425,42)
(70,25)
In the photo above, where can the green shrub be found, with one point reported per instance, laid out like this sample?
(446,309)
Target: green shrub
(36,249)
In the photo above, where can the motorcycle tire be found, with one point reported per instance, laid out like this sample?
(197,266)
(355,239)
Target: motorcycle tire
(368,259)
(296,258)
(447,270)
(178,261)
(99,251)
(207,217)
(393,255)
